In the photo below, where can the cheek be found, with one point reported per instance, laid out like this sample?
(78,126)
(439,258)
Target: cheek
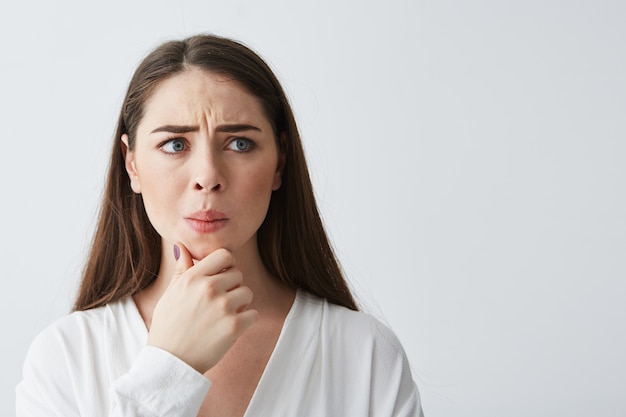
(160,191)
(256,189)
(155,175)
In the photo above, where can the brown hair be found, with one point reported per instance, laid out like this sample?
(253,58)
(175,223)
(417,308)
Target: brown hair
(126,250)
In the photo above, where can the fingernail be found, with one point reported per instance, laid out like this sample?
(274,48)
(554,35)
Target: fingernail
(176,252)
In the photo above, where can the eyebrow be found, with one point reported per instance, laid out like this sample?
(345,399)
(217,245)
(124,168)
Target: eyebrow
(223,128)
(176,129)
(236,128)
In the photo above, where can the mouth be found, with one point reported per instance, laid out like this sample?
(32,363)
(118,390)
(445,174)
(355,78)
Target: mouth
(207,221)
(207,216)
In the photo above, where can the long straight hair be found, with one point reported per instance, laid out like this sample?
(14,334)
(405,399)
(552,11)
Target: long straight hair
(125,253)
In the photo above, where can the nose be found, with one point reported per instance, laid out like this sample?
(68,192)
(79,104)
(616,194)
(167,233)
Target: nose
(208,173)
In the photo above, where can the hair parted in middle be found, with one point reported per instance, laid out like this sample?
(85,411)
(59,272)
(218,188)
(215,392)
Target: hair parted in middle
(125,254)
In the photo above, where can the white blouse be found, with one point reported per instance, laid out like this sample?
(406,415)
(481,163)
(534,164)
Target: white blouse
(328,361)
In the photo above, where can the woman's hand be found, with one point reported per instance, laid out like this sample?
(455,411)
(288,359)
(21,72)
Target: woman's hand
(203,311)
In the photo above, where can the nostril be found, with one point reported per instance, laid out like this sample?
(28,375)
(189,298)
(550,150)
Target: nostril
(200,187)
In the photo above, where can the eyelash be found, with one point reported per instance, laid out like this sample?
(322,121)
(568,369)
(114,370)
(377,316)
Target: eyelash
(169,141)
(250,143)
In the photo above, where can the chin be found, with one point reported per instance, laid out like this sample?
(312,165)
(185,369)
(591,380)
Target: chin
(201,248)
(201,251)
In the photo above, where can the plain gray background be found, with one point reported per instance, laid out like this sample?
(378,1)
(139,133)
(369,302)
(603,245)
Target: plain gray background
(468,157)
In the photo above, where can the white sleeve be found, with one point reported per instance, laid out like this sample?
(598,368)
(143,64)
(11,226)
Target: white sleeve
(158,384)
(394,392)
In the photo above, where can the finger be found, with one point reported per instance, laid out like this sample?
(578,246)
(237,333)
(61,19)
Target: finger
(217,261)
(217,285)
(247,319)
(239,299)
(184,261)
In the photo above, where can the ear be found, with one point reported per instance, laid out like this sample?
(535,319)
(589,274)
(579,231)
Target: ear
(278,176)
(129,163)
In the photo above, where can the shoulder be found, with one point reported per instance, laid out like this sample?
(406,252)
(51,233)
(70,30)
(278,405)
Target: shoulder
(69,338)
(77,324)
(352,327)
(361,349)
(67,328)
(52,366)
(353,336)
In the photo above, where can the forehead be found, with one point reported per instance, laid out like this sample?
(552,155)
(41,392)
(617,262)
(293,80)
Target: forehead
(196,95)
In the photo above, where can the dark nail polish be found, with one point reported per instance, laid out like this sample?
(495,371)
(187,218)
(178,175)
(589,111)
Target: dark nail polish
(176,252)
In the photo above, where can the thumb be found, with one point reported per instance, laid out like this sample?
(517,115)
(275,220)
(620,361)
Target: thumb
(184,261)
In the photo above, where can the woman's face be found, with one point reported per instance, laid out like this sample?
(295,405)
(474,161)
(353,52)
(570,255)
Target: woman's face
(205,162)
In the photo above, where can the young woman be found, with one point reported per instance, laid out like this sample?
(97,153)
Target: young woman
(211,288)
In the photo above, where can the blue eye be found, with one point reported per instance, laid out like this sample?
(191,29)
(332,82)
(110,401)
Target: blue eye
(241,145)
(173,146)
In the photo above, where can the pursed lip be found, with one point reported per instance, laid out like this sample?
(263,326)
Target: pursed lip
(207,216)
(206,221)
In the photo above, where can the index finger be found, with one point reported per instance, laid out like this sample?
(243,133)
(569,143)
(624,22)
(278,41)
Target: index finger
(215,262)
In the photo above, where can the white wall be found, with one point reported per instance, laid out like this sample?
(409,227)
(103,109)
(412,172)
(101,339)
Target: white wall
(468,157)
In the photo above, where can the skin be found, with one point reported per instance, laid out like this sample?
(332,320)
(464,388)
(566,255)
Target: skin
(201,307)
